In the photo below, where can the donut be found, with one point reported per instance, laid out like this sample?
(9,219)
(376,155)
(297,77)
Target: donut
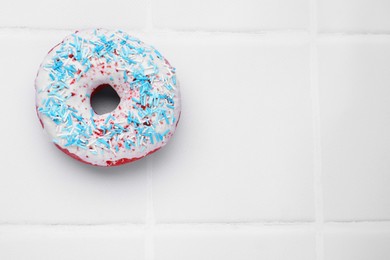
(79,67)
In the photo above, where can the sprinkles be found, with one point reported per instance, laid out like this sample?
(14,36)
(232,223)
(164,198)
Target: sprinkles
(144,120)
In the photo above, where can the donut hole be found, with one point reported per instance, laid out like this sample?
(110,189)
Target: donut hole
(104,99)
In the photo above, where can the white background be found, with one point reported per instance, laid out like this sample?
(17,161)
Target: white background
(282,152)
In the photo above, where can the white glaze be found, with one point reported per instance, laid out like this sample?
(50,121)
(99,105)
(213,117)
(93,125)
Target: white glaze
(102,72)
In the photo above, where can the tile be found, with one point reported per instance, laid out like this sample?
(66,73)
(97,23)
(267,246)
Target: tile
(231,15)
(363,16)
(355,119)
(243,148)
(73,243)
(234,244)
(359,242)
(38,183)
(74,14)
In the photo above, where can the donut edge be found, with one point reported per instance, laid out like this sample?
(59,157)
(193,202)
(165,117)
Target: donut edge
(109,163)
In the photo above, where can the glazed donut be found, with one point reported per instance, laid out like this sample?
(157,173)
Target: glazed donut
(83,63)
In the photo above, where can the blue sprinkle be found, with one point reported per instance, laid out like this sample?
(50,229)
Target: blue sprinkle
(79,118)
(158,137)
(158,54)
(72,109)
(104,142)
(69,121)
(108,119)
(125,77)
(165,117)
(151,138)
(165,133)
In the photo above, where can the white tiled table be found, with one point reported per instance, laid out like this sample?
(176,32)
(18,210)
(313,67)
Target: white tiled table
(282,151)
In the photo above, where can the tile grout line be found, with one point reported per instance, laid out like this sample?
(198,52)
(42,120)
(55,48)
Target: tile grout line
(314,88)
(150,220)
(284,35)
(234,225)
(149,28)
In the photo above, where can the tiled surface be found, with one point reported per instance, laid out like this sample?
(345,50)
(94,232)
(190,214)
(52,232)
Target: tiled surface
(231,15)
(367,16)
(355,116)
(71,243)
(234,244)
(281,153)
(358,242)
(74,14)
(250,157)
